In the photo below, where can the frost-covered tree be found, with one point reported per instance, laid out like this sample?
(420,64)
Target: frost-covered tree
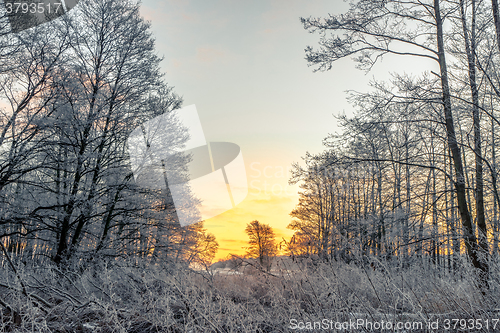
(262,244)
(77,89)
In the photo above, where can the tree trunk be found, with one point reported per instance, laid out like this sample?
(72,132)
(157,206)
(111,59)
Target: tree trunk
(496,17)
(469,237)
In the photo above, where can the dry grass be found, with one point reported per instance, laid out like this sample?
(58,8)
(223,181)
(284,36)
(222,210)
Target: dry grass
(172,298)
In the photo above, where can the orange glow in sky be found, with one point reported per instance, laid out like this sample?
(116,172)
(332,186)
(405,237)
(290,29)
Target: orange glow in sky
(270,200)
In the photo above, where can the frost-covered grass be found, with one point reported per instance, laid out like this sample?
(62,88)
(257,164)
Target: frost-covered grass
(172,298)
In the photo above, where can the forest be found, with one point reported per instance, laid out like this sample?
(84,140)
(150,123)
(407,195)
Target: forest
(71,96)
(397,219)
(413,175)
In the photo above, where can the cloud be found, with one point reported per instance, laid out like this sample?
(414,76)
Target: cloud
(177,63)
(220,23)
(209,54)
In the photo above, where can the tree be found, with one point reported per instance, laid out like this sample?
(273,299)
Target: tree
(262,243)
(204,251)
(76,91)
(113,75)
(29,63)
(372,29)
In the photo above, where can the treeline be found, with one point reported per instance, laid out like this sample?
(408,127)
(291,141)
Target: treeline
(71,91)
(413,173)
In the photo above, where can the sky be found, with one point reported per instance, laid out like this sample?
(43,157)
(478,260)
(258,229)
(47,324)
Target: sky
(242,64)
